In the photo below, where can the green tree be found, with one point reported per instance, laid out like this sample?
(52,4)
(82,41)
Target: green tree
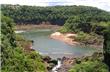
(107,46)
(13,58)
(55,14)
(90,66)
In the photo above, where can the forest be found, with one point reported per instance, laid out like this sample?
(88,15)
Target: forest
(13,56)
(86,21)
(55,14)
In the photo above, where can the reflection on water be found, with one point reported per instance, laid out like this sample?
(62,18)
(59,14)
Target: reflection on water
(54,48)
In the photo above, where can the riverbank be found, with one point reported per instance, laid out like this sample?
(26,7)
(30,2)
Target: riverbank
(41,26)
(50,46)
(67,38)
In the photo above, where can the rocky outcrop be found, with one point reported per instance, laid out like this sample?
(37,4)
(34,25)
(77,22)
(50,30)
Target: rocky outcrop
(67,63)
(50,63)
(67,37)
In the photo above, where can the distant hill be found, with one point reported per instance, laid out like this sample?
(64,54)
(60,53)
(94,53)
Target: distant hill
(54,14)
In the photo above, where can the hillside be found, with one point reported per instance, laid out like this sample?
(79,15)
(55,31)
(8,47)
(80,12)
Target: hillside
(53,14)
(92,26)
(14,58)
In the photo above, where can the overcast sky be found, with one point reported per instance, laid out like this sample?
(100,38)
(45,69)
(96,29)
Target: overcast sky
(102,4)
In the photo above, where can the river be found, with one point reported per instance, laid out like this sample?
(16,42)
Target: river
(54,48)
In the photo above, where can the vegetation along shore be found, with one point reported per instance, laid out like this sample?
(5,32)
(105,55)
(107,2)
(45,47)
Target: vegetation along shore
(73,25)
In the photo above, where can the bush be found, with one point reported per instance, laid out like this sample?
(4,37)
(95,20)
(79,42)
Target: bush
(90,66)
(63,30)
(13,57)
(91,38)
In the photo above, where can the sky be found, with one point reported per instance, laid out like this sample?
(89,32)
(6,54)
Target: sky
(102,4)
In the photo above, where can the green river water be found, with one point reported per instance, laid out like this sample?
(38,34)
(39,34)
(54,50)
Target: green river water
(55,48)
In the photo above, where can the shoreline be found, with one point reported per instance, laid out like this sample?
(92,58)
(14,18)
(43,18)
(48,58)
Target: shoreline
(65,38)
(68,38)
(68,60)
(62,37)
(41,26)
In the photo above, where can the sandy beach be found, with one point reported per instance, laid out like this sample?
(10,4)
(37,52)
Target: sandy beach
(67,38)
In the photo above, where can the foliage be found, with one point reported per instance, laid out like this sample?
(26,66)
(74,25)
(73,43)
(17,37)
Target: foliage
(93,66)
(55,14)
(18,61)
(106,46)
(90,66)
(90,38)
(23,42)
(75,19)
(13,58)
(64,29)
(7,32)
(85,23)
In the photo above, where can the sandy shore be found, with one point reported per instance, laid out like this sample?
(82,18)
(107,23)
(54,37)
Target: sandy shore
(67,38)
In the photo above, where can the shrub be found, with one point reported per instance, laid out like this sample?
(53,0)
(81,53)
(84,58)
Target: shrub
(90,66)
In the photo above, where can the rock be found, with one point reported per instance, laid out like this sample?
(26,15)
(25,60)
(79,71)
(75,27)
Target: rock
(67,63)
(70,35)
(56,34)
(46,58)
(67,38)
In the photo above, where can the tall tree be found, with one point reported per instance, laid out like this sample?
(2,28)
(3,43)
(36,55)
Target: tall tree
(13,58)
(107,46)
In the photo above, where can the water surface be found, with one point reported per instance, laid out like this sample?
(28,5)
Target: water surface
(54,48)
